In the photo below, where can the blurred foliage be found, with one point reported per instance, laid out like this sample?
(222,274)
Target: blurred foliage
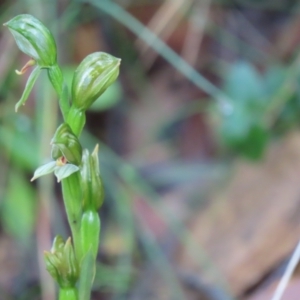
(18,211)
(254,101)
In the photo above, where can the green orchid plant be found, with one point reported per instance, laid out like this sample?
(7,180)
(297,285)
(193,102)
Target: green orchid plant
(71,263)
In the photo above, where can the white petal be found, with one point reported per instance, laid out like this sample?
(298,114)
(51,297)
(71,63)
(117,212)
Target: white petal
(44,170)
(65,171)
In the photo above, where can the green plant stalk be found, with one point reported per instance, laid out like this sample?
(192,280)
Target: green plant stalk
(71,265)
(72,200)
(68,293)
(76,120)
(56,77)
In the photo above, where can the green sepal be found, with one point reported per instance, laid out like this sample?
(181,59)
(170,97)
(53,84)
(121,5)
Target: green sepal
(92,77)
(66,141)
(34,39)
(91,183)
(29,85)
(61,262)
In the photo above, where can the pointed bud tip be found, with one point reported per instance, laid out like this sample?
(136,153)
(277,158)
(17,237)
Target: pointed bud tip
(68,241)
(96,149)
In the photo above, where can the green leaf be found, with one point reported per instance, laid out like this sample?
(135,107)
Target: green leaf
(274,78)
(19,207)
(243,83)
(87,274)
(236,126)
(65,171)
(254,143)
(44,170)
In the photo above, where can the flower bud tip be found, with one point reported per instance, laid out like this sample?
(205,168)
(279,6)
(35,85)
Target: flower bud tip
(96,149)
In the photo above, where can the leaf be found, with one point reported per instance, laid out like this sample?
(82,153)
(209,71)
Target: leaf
(243,83)
(65,171)
(44,170)
(87,274)
(29,85)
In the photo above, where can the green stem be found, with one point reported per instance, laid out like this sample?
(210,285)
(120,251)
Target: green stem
(72,199)
(76,120)
(56,77)
(68,294)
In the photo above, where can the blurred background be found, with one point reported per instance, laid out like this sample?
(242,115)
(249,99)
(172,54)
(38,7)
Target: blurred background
(199,148)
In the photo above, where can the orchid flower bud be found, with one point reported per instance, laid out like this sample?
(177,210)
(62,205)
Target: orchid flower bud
(92,77)
(34,39)
(91,183)
(67,143)
(61,263)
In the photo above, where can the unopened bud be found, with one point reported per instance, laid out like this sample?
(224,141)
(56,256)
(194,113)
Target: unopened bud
(66,142)
(61,263)
(92,77)
(34,39)
(91,183)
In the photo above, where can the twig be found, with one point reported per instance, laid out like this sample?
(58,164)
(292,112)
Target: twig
(287,274)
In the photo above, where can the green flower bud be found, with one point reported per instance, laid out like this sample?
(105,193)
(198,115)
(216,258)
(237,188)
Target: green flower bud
(34,39)
(91,183)
(92,77)
(66,142)
(55,152)
(61,263)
